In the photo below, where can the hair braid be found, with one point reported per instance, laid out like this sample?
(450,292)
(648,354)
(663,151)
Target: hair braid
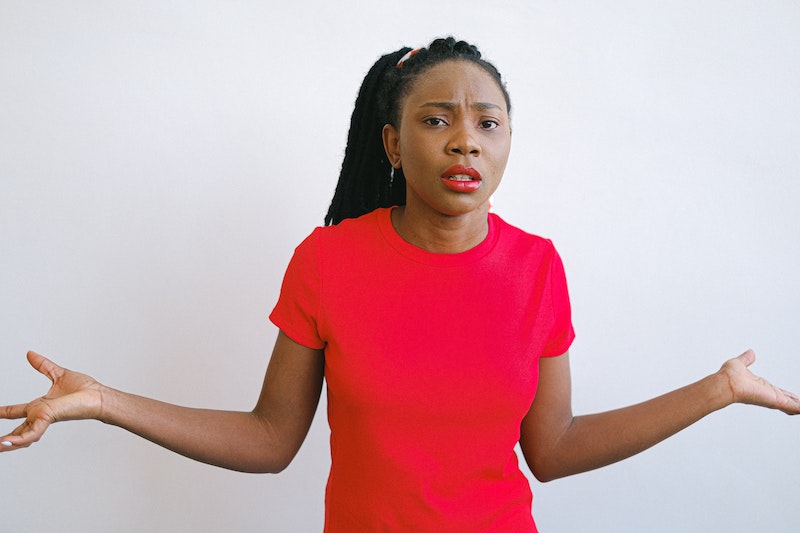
(365,181)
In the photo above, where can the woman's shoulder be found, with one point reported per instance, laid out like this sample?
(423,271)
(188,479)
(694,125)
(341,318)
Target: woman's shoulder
(347,233)
(511,234)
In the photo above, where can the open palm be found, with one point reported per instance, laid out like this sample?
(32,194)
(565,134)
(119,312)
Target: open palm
(72,396)
(749,388)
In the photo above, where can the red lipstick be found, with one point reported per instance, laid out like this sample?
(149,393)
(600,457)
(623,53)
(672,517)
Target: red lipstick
(459,178)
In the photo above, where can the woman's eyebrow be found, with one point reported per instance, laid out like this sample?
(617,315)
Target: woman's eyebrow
(452,105)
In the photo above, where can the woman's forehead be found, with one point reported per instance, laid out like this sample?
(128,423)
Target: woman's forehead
(456,80)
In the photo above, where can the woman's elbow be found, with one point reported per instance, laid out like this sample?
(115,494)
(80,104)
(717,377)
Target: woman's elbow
(272,464)
(543,472)
(545,466)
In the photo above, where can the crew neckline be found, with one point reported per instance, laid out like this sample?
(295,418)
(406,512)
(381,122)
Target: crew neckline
(420,255)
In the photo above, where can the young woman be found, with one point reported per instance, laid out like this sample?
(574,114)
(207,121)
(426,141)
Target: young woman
(441,331)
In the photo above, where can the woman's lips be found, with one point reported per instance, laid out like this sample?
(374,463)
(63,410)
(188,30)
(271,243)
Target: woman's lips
(459,178)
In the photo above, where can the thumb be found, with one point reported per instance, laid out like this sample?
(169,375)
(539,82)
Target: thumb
(45,365)
(748,357)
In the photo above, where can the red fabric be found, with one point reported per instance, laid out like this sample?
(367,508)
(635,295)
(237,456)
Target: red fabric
(431,362)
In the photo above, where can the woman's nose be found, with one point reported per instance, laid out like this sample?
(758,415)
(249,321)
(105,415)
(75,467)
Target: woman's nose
(463,141)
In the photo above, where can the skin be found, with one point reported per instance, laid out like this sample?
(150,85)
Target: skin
(555,443)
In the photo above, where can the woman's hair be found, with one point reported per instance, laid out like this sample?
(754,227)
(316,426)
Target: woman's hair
(367,180)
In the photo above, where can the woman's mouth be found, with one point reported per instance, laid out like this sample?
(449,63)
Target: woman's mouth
(459,178)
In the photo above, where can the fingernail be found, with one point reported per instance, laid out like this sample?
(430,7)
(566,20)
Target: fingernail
(6,443)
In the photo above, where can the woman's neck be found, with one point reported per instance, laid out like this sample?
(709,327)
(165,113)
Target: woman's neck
(439,233)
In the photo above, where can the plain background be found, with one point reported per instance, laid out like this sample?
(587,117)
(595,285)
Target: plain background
(159,161)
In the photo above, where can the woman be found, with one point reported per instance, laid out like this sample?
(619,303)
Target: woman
(442,332)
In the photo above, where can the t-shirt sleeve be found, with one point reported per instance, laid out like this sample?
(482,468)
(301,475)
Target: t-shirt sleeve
(562,333)
(297,312)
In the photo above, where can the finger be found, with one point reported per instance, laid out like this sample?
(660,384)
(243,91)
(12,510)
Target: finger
(24,435)
(792,403)
(12,442)
(45,365)
(791,395)
(14,411)
(748,357)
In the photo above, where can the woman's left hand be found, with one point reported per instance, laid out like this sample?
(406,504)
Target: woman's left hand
(749,388)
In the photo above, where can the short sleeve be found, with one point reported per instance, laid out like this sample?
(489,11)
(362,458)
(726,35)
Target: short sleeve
(562,333)
(297,312)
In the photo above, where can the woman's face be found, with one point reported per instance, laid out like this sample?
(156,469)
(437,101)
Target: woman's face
(453,139)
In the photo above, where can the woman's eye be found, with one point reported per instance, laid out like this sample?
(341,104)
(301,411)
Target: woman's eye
(434,121)
(489,124)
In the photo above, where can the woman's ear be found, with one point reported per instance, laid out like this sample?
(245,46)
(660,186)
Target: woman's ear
(391,144)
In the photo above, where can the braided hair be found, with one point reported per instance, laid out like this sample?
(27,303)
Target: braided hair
(367,180)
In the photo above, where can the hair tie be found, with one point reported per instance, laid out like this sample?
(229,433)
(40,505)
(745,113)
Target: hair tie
(407,57)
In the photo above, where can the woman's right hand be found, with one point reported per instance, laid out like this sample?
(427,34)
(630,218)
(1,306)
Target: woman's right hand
(72,396)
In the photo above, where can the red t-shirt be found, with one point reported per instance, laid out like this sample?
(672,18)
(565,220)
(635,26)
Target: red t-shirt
(431,362)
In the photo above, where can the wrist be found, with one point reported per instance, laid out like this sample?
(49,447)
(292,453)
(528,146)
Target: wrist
(104,402)
(720,393)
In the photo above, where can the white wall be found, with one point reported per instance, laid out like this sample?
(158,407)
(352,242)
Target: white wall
(160,160)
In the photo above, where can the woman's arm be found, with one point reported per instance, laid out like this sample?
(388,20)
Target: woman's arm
(556,444)
(262,440)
